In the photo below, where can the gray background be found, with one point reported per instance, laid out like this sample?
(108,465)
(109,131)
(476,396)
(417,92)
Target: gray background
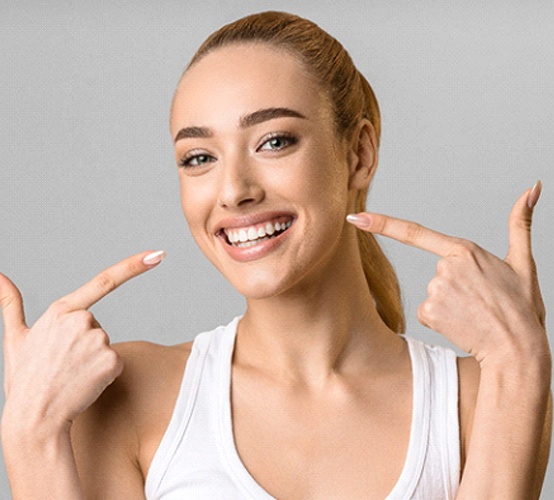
(87,174)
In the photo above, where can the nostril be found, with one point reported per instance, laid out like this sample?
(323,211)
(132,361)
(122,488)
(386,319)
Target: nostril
(240,191)
(247,201)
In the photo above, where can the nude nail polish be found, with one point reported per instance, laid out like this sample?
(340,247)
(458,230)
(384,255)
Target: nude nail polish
(359,220)
(534,194)
(154,258)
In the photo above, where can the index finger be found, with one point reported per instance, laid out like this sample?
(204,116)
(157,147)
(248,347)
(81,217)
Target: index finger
(408,232)
(109,279)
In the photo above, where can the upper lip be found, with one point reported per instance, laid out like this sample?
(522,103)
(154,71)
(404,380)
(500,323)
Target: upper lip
(249,220)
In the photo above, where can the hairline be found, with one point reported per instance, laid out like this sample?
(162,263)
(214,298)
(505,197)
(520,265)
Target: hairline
(323,86)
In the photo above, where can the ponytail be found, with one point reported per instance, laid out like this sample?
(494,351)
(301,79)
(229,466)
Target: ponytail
(379,273)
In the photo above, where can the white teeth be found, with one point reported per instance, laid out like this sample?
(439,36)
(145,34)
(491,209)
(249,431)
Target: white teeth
(247,237)
(248,244)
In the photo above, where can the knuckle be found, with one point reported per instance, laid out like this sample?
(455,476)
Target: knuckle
(421,316)
(523,222)
(433,286)
(113,362)
(379,224)
(6,301)
(94,341)
(81,314)
(105,282)
(58,308)
(84,317)
(413,232)
(101,337)
(77,321)
(426,312)
(443,267)
(134,268)
(466,248)
(111,359)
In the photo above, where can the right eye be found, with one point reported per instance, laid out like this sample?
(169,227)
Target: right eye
(195,160)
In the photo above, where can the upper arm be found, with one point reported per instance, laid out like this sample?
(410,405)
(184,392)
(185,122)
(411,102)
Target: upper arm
(468,388)
(115,440)
(105,443)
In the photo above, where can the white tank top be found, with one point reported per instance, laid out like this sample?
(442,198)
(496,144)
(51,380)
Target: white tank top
(197,458)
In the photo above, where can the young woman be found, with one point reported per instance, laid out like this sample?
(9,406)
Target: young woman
(314,392)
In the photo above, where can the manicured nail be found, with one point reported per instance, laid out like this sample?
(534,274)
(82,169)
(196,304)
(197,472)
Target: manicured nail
(361,220)
(154,258)
(534,194)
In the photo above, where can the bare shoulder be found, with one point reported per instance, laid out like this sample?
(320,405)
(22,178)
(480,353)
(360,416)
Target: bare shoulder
(115,439)
(469,374)
(147,368)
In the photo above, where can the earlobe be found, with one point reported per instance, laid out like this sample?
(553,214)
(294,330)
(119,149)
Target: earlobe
(363,156)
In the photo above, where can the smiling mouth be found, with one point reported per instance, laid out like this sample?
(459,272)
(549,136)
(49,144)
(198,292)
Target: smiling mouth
(246,237)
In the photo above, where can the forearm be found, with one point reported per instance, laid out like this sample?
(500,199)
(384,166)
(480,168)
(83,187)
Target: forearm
(41,464)
(503,455)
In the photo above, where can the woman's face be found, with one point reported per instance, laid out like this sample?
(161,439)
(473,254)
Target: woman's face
(264,179)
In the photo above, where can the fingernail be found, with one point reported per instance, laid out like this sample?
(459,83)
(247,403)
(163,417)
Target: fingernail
(534,194)
(154,258)
(362,220)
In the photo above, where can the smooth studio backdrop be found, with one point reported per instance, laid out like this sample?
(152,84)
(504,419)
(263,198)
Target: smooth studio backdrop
(88,177)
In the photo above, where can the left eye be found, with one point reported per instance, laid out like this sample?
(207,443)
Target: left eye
(277,142)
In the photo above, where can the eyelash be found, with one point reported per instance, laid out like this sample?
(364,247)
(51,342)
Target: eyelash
(192,155)
(287,138)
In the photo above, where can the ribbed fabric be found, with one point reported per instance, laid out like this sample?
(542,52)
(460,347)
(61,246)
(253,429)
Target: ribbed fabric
(197,458)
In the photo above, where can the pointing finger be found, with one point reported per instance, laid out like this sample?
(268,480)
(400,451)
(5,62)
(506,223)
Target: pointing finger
(109,279)
(410,233)
(11,303)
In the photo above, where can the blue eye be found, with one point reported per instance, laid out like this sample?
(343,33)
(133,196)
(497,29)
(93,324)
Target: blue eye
(277,142)
(196,160)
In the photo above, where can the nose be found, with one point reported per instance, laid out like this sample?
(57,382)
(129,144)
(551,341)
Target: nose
(240,184)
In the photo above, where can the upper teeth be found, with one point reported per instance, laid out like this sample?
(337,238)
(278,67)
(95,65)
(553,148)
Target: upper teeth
(253,233)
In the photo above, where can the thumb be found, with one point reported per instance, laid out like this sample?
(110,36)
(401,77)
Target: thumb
(520,255)
(11,303)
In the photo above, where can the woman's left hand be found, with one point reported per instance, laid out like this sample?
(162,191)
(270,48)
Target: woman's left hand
(486,306)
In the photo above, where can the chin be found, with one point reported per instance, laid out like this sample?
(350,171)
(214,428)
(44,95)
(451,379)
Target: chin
(258,286)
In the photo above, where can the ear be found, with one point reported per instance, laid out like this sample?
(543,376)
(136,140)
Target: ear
(363,156)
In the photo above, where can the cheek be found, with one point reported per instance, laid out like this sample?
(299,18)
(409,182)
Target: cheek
(327,182)
(195,203)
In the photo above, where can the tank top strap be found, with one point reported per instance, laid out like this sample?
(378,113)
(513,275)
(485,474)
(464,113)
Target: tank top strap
(432,468)
(209,350)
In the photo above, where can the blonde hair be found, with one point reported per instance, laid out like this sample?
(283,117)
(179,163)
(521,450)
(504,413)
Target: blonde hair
(352,99)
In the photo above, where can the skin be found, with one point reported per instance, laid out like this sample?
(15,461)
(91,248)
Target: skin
(329,355)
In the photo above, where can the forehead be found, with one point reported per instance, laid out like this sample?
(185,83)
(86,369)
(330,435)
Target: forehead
(242,78)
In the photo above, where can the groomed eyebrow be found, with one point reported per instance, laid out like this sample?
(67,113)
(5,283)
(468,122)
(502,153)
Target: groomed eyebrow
(249,120)
(264,115)
(192,132)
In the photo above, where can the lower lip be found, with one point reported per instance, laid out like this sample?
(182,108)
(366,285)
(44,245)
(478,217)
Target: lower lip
(257,251)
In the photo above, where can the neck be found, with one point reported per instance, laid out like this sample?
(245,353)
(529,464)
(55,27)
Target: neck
(316,331)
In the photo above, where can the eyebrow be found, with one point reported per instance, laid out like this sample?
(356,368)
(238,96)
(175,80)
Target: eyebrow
(245,121)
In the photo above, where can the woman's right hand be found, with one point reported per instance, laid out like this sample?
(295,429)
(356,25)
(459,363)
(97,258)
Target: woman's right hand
(57,368)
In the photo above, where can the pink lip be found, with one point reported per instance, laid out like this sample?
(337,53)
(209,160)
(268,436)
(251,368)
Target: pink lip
(258,251)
